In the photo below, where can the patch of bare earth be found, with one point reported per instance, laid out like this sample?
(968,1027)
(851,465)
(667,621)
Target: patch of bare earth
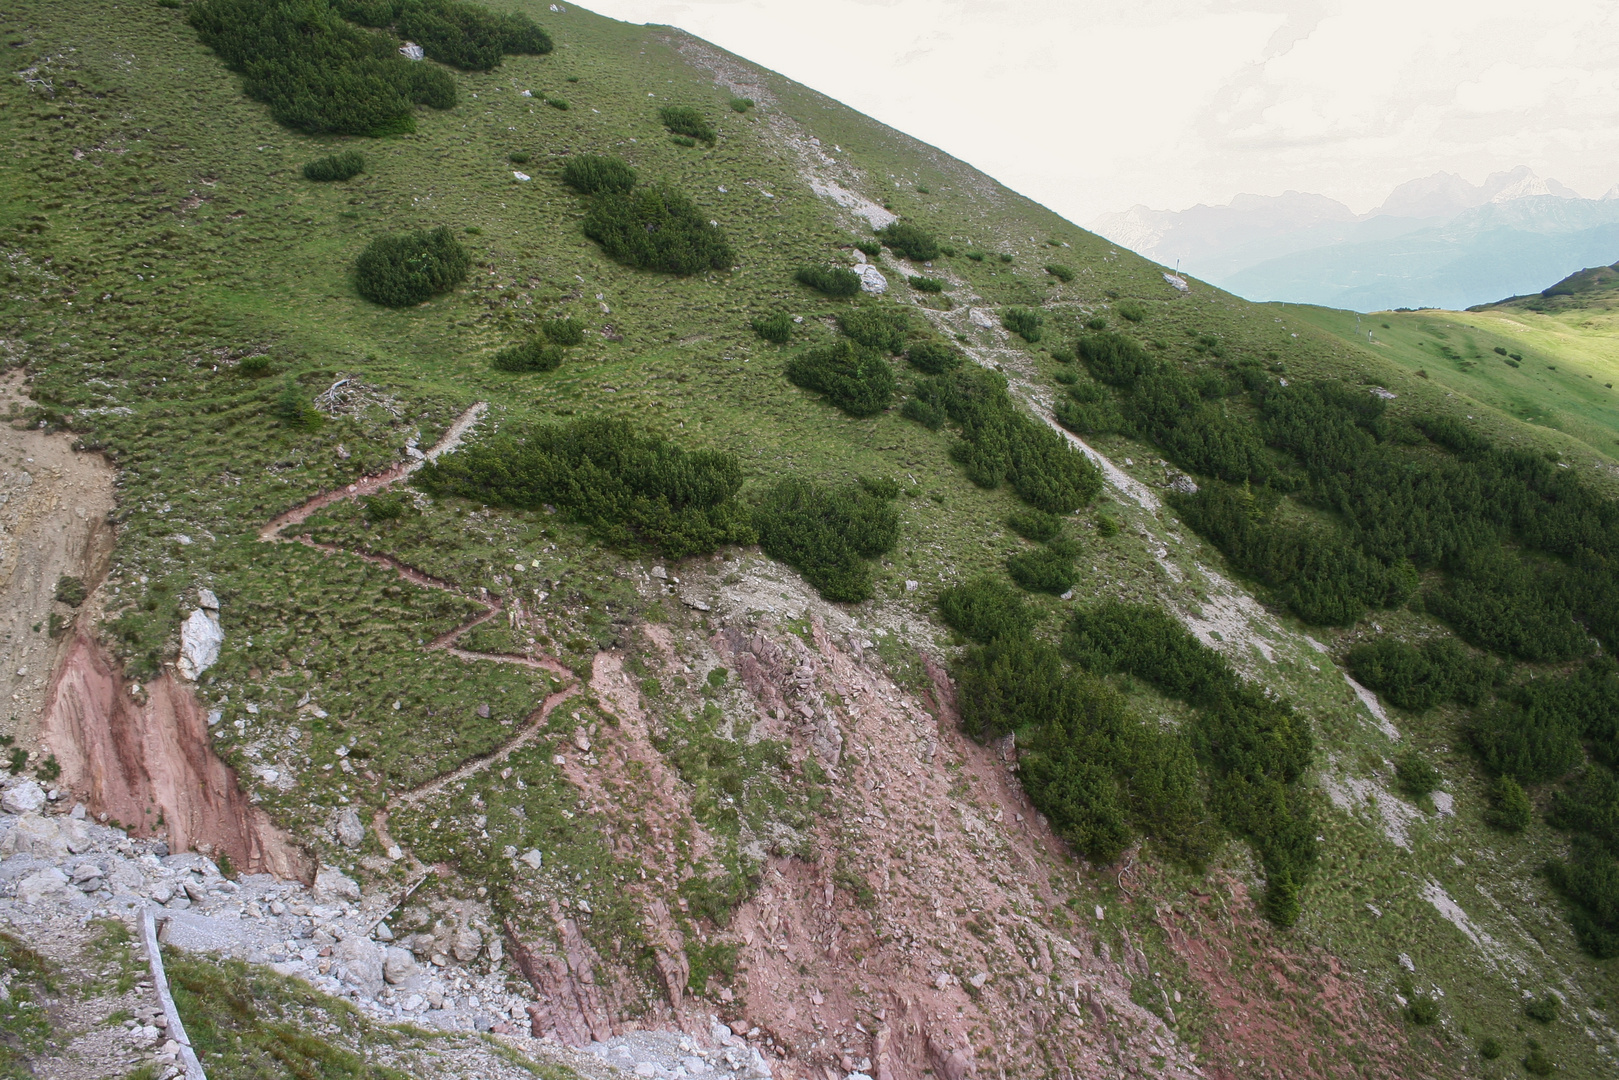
(54,503)
(1280,1007)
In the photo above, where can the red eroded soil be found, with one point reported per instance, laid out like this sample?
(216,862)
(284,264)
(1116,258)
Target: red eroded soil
(142,762)
(1285,1009)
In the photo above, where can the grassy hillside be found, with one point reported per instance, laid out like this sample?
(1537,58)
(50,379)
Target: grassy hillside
(1553,368)
(184,300)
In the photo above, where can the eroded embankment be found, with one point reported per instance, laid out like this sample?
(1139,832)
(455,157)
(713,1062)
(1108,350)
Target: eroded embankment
(139,755)
(54,504)
(142,756)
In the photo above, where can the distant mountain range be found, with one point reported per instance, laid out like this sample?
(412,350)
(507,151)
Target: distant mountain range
(1435,242)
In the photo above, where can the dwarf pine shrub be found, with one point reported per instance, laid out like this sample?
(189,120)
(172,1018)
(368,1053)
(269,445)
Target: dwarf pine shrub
(291,405)
(630,488)
(830,280)
(1510,809)
(590,174)
(1131,310)
(869,248)
(926,284)
(403,270)
(909,240)
(342,166)
(741,104)
(687,121)
(933,357)
(1048,569)
(827,534)
(532,355)
(984,609)
(560,104)
(1542,1010)
(1416,776)
(1024,322)
(879,327)
(70,590)
(1060,272)
(656,228)
(777,328)
(317,72)
(854,377)
(564,331)
(1036,525)
(459,34)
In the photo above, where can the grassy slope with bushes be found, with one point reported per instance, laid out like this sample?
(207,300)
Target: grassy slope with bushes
(211,305)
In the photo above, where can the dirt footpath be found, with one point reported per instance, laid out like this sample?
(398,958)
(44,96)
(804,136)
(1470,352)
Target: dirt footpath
(53,522)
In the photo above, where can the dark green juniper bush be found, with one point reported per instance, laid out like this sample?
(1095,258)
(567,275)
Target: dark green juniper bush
(830,280)
(343,166)
(404,270)
(318,72)
(591,174)
(827,534)
(688,121)
(657,228)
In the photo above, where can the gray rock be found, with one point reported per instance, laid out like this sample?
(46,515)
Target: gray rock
(350,831)
(466,944)
(398,965)
(25,797)
(49,885)
(534,858)
(332,886)
(871,279)
(207,600)
(363,961)
(34,835)
(200,639)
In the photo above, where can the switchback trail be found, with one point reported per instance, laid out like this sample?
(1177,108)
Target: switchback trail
(274,532)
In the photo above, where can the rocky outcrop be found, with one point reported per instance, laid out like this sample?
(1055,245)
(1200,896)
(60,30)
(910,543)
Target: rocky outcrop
(141,756)
(570,1008)
(200,639)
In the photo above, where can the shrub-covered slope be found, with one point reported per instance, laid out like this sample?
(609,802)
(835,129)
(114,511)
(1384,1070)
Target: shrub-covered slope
(1250,832)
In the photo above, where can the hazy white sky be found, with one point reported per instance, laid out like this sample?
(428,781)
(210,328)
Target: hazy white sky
(1094,106)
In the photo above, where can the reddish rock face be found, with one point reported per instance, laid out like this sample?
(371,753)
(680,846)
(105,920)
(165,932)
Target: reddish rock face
(138,761)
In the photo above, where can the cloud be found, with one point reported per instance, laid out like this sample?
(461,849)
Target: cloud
(1090,106)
